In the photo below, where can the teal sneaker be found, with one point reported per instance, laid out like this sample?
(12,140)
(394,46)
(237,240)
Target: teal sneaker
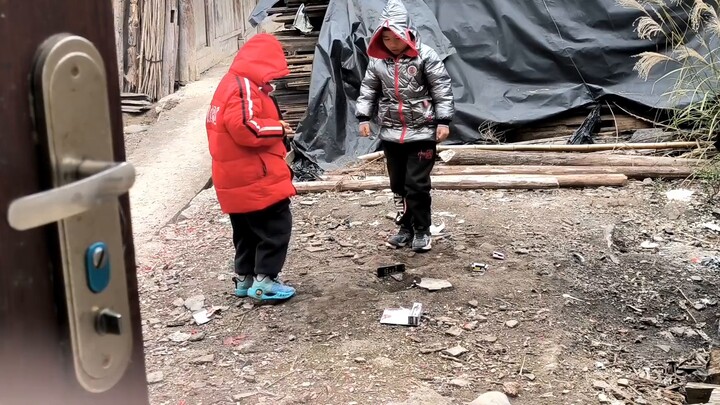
(267,289)
(242,285)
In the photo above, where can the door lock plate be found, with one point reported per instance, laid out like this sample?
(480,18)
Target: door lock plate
(73,113)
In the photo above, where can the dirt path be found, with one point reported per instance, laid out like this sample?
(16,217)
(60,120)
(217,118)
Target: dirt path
(171,158)
(563,310)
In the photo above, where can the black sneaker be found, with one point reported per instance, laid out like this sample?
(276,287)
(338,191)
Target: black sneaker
(422,242)
(402,239)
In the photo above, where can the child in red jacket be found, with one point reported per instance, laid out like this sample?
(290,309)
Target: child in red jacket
(253,182)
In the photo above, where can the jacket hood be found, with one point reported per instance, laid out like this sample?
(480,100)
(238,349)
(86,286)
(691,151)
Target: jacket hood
(396,18)
(261,60)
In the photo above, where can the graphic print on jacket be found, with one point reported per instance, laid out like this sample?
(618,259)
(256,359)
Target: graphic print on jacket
(245,135)
(410,94)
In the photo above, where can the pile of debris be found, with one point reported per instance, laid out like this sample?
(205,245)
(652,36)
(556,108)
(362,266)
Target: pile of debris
(300,23)
(679,383)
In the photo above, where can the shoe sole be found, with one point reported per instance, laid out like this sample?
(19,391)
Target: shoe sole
(269,298)
(399,246)
(427,248)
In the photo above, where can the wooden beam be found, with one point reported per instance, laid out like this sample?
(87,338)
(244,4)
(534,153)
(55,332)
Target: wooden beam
(477,157)
(473,182)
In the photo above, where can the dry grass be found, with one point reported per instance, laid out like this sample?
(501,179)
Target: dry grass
(688,33)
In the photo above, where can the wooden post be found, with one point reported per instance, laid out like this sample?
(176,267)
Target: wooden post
(187,56)
(133,51)
(170,48)
(119,14)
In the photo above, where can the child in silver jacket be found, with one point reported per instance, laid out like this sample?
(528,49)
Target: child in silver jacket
(409,91)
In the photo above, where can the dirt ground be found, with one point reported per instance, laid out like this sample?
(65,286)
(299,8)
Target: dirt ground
(577,301)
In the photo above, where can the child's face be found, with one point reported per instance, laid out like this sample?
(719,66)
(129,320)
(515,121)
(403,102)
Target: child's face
(393,43)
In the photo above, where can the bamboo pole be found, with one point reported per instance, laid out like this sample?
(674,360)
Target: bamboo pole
(598,147)
(473,182)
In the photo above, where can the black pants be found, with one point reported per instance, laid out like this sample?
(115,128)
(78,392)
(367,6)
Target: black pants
(409,166)
(261,240)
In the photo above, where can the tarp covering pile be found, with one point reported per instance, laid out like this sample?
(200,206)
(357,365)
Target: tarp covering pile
(512,63)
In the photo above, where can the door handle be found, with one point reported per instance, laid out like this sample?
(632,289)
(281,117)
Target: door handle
(106,182)
(75,133)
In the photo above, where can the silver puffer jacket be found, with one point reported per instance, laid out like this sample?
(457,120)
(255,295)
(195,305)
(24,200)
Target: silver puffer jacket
(411,94)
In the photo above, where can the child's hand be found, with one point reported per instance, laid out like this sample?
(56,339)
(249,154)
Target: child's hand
(365,129)
(287,127)
(442,133)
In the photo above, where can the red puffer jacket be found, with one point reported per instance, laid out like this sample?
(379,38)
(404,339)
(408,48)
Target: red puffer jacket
(245,135)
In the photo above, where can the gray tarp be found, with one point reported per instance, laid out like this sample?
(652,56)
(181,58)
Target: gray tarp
(512,63)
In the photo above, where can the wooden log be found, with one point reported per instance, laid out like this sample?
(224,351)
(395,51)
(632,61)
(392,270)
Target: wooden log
(377,183)
(652,135)
(522,147)
(602,137)
(478,157)
(596,147)
(633,172)
(187,51)
(473,182)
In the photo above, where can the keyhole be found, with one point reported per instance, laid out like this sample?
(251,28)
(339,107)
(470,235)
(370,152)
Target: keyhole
(75,71)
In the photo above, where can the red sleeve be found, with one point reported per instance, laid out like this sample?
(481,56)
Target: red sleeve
(244,122)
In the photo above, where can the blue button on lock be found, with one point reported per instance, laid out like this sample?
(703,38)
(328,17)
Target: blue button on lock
(97,263)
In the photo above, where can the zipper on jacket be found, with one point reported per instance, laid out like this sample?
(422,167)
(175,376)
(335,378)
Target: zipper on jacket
(400,101)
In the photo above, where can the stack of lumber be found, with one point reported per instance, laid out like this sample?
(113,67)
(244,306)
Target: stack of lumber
(509,167)
(292,92)
(135,102)
(615,126)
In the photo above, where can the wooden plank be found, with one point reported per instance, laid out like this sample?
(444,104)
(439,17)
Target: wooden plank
(170,48)
(187,50)
(226,19)
(200,22)
(119,20)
